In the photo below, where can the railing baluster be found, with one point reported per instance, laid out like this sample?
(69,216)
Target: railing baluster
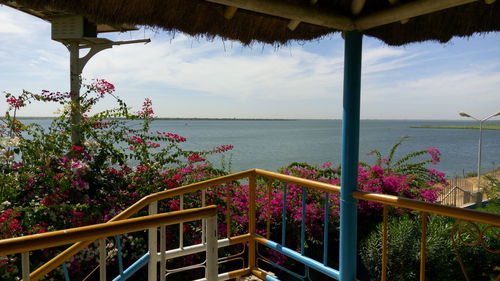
(203,222)
(102,259)
(283,218)
(181,225)
(423,246)
(211,253)
(119,253)
(228,211)
(268,229)
(152,244)
(303,222)
(325,230)
(65,271)
(163,248)
(384,243)
(25,262)
(252,246)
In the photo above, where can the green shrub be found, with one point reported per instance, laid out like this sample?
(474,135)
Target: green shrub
(442,260)
(492,188)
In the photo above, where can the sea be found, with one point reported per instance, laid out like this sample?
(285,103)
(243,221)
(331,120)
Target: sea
(271,144)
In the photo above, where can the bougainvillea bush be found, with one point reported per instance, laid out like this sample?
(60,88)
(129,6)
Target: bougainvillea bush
(49,183)
(408,176)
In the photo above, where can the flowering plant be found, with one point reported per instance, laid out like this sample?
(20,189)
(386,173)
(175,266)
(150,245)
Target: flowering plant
(47,183)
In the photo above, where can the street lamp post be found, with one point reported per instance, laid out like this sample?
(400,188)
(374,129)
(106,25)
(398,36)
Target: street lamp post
(479,198)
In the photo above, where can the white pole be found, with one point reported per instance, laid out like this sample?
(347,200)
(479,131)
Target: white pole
(75,72)
(102,259)
(25,263)
(212,271)
(479,194)
(479,155)
(163,258)
(152,244)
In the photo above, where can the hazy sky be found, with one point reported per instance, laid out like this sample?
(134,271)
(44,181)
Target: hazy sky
(192,77)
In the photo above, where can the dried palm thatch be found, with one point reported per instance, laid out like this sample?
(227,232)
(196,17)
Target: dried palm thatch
(204,18)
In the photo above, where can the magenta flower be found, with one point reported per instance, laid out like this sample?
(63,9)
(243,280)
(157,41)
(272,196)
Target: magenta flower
(136,139)
(147,109)
(193,158)
(103,87)
(17,165)
(223,148)
(435,154)
(17,103)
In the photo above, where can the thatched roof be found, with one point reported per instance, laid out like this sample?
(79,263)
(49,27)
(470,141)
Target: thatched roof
(269,21)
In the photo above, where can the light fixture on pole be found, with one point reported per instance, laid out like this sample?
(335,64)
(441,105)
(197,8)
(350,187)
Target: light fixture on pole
(463,114)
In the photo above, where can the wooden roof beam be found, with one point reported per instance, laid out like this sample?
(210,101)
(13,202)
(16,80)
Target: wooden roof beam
(357,6)
(230,12)
(406,11)
(292,12)
(292,25)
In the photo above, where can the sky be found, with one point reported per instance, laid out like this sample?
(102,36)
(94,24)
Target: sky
(189,77)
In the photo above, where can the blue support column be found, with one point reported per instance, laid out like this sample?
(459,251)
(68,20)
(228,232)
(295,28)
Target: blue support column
(350,155)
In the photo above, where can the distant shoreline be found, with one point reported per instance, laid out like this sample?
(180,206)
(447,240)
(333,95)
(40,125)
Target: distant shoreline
(494,126)
(187,119)
(472,127)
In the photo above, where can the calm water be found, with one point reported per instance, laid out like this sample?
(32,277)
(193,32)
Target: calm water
(273,144)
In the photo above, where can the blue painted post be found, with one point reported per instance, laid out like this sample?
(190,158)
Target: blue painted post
(350,151)
(283,218)
(66,273)
(303,223)
(325,231)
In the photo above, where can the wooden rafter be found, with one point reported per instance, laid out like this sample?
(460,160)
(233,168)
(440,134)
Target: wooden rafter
(406,11)
(400,13)
(292,12)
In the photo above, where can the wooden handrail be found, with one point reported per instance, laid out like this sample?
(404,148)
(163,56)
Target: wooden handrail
(300,181)
(391,200)
(431,208)
(56,261)
(93,232)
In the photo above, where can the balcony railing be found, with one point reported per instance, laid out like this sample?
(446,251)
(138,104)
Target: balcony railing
(254,245)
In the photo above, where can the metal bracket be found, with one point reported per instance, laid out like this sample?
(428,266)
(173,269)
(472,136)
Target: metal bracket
(96,48)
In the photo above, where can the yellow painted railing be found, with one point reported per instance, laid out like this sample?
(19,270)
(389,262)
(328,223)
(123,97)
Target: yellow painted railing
(130,211)
(93,232)
(252,238)
(25,244)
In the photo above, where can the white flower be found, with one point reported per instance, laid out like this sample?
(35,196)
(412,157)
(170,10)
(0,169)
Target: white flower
(91,144)
(10,142)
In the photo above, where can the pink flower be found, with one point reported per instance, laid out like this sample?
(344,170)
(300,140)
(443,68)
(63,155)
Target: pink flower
(17,103)
(77,149)
(103,87)
(136,139)
(195,158)
(142,168)
(435,154)
(17,165)
(378,170)
(223,148)
(327,165)
(147,109)
(153,144)
(430,195)
(171,137)
(77,214)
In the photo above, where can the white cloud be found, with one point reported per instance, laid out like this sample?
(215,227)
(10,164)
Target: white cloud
(209,70)
(185,73)
(437,96)
(14,22)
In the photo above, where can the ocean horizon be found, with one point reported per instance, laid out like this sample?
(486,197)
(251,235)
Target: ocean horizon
(271,144)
